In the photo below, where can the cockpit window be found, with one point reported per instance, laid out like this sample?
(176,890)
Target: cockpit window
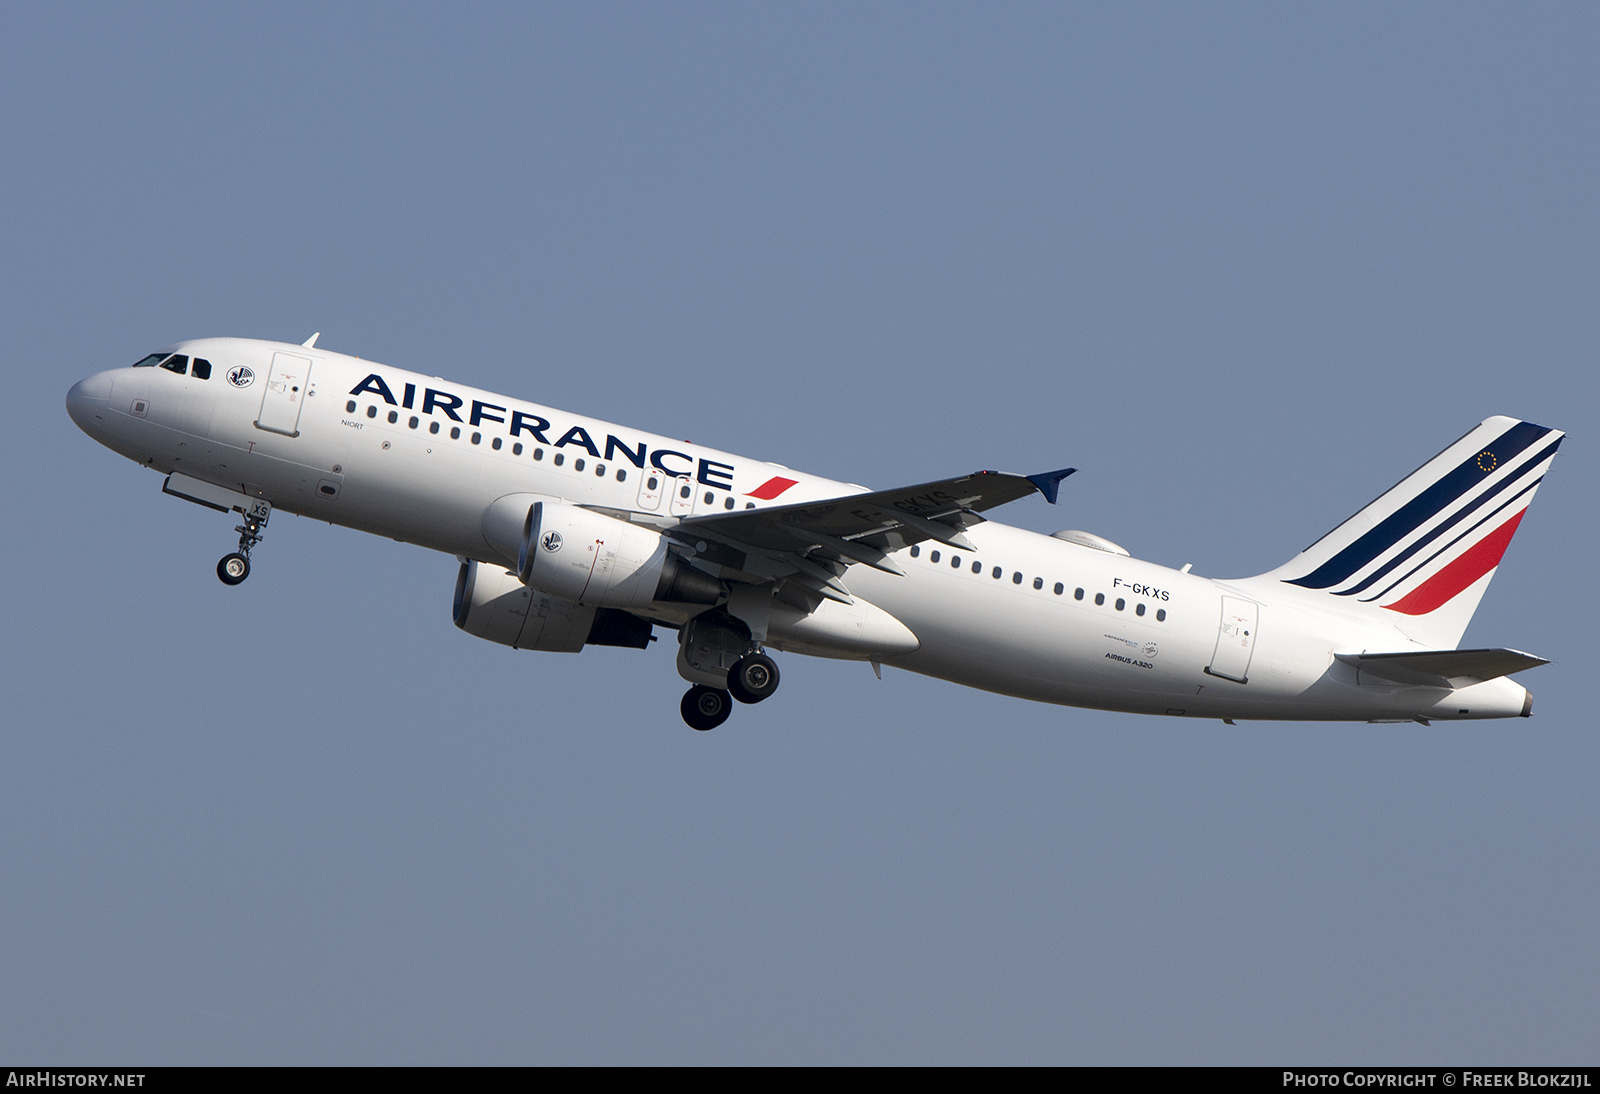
(178,363)
(201,370)
(150,362)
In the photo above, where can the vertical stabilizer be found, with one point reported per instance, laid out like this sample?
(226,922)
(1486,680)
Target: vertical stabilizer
(1427,549)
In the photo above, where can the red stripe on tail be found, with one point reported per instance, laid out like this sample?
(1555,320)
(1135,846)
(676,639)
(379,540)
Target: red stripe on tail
(1473,563)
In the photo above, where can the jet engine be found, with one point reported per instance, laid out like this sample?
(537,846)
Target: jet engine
(588,558)
(492,603)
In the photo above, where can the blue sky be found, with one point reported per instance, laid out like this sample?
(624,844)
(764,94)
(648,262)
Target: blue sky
(1244,265)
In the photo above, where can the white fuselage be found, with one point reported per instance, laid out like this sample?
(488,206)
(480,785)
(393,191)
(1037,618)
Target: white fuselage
(421,459)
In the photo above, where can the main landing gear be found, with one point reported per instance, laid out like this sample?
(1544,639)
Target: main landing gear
(705,708)
(752,678)
(235,567)
(717,654)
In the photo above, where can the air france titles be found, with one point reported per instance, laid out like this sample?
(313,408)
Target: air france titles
(521,422)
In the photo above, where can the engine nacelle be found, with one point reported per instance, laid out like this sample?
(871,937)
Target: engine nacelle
(589,558)
(492,603)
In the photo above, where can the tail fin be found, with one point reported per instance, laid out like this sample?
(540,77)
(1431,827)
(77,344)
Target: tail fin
(1427,549)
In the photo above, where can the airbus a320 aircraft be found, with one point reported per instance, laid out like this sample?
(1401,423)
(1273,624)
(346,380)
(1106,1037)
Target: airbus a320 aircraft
(572,531)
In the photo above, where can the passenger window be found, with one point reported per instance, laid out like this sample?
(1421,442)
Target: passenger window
(394,416)
(996,574)
(710,497)
(1077,594)
(176,363)
(516,449)
(727,503)
(433,427)
(495,444)
(653,483)
(1016,578)
(1100,598)
(455,433)
(538,453)
(622,475)
(1120,603)
(577,464)
(977,567)
(201,369)
(934,557)
(476,437)
(1161,615)
(350,407)
(683,492)
(749,505)
(413,422)
(1139,608)
(1060,588)
(915,551)
(1038,583)
(560,458)
(955,562)
(372,412)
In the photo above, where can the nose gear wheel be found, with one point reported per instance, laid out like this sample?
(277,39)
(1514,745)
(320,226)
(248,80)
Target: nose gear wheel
(235,567)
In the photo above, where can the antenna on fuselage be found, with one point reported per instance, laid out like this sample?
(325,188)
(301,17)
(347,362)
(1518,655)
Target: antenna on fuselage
(312,341)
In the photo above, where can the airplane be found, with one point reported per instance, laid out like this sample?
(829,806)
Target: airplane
(571,531)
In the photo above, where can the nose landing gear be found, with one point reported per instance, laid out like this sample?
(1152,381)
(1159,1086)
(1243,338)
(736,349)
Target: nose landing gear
(235,567)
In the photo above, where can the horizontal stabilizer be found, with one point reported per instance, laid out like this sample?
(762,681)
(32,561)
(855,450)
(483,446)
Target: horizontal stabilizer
(1442,668)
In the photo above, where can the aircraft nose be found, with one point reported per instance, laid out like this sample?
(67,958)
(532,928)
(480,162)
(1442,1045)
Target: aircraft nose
(87,398)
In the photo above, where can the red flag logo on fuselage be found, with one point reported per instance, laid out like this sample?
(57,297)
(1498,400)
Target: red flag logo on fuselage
(771,488)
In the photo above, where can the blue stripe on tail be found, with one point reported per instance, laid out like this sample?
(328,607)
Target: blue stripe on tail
(1420,509)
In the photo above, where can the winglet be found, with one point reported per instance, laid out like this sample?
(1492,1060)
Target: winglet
(312,341)
(1049,482)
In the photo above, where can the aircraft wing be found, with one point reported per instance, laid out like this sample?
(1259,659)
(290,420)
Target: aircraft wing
(820,538)
(931,510)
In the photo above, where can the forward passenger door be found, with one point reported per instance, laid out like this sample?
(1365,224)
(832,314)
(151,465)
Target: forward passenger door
(284,395)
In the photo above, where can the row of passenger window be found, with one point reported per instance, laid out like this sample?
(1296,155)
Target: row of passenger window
(179,363)
(559,458)
(1038,583)
(495,443)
